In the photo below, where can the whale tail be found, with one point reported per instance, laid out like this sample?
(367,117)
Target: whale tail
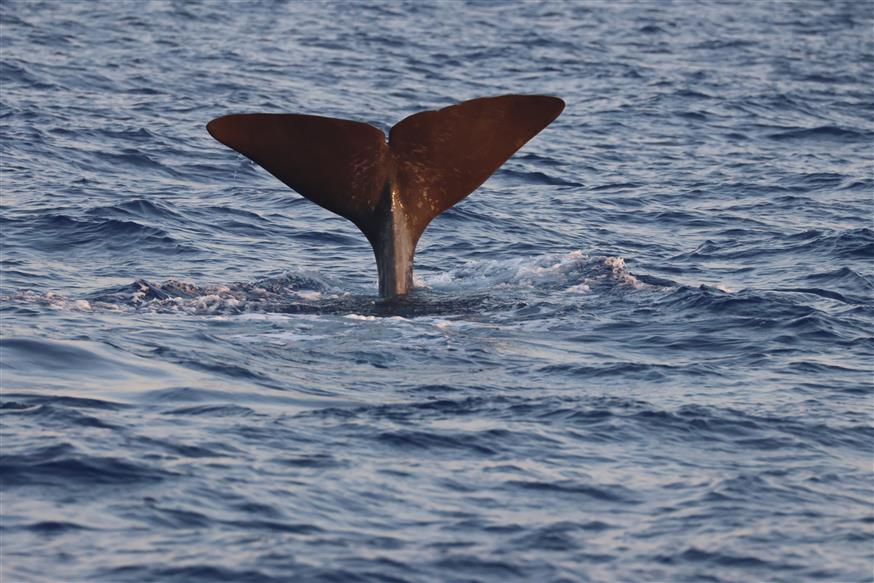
(390,189)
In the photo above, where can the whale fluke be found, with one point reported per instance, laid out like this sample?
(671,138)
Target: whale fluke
(390,190)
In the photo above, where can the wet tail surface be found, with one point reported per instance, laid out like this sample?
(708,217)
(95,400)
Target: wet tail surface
(391,191)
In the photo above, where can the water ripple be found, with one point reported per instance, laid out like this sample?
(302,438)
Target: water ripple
(641,351)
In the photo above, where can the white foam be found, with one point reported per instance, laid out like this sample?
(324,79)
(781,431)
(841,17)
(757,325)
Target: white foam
(309,295)
(277,338)
(620,272)
(375,318)
(360,317)
(256,317)
(575,272)
(52,300)
(419,282)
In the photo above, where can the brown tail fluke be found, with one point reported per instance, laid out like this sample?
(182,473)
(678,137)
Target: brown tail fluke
(338,164)
(391,191)
(444,155)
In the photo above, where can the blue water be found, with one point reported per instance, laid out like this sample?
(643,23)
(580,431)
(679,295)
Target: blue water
(642,351)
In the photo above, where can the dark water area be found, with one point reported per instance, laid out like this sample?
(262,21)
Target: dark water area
(642,351)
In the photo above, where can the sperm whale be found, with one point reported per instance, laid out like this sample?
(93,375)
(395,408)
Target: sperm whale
(391,188)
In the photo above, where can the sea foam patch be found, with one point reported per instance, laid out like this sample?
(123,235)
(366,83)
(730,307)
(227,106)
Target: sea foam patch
(574,272)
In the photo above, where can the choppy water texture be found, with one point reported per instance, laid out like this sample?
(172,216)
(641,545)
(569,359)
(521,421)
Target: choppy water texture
(641,351)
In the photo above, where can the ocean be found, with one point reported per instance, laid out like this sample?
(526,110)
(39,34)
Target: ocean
(641,351)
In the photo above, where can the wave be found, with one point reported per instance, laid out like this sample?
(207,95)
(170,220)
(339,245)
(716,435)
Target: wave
(838,245)
(184,574)
(573,272)
(51,416)
(58,233)
(827,132)
(309,292)
(136,207)
(63,466)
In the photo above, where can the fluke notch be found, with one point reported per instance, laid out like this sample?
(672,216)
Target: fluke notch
(390,190)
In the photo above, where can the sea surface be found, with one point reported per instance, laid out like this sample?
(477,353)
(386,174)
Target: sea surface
(642,351)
